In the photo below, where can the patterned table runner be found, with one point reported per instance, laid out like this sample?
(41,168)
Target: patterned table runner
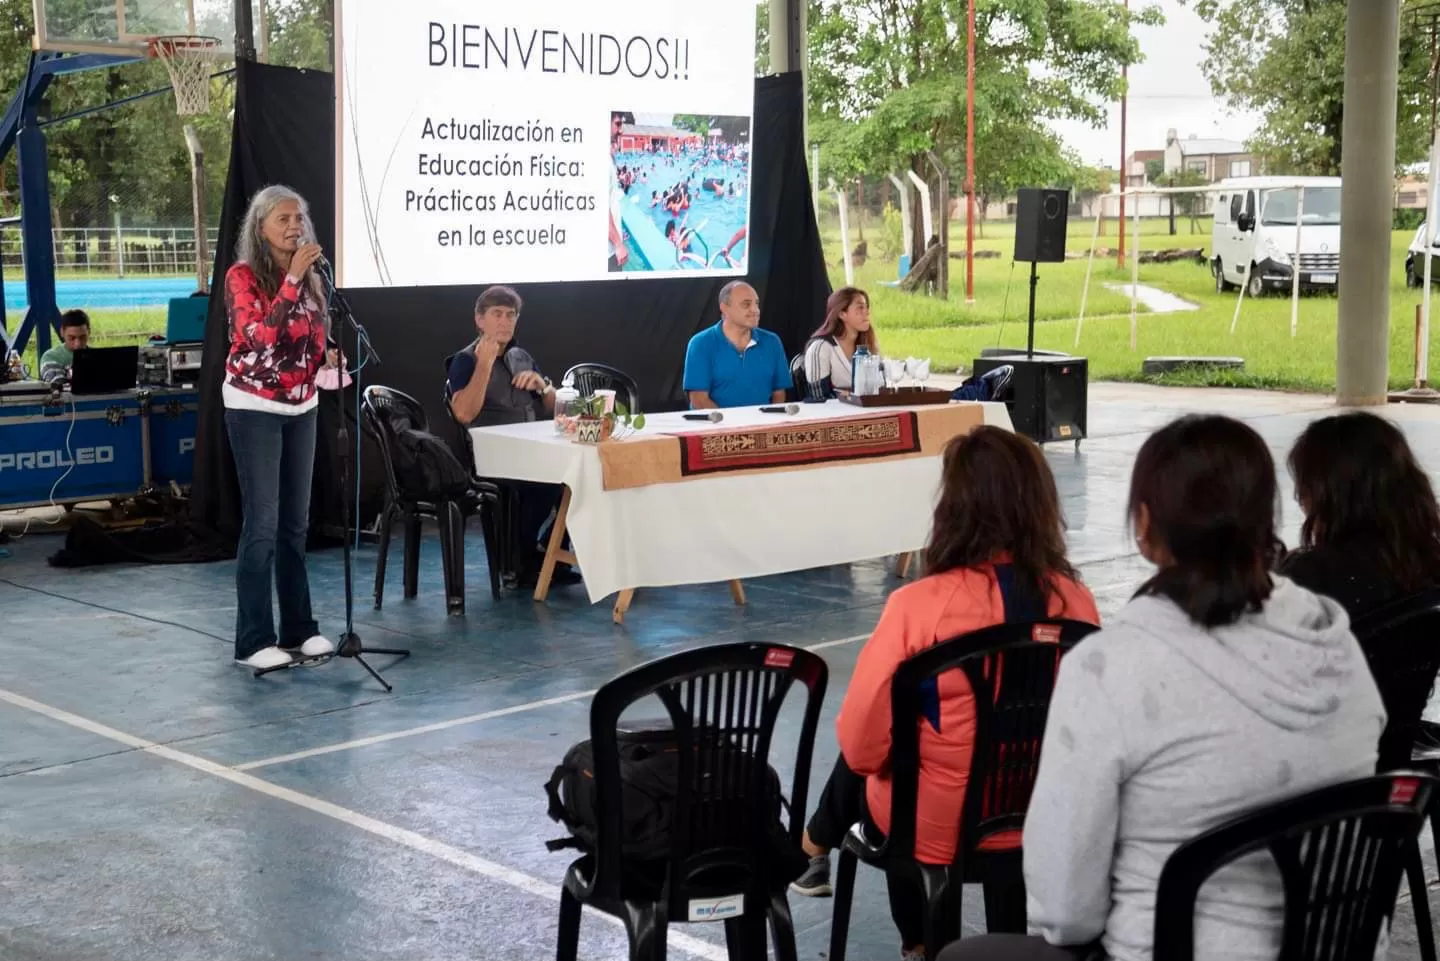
(640,459)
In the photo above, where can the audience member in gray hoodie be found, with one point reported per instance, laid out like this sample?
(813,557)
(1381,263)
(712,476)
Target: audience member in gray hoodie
(1217,690)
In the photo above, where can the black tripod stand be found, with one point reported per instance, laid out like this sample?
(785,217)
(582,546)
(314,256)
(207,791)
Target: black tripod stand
(349,644)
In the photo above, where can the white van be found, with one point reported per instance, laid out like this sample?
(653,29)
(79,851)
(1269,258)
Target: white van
(1253,237)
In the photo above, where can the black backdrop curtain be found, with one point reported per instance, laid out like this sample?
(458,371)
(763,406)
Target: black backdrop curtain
(284,133)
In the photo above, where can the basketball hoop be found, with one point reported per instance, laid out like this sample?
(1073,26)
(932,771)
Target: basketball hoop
(188,59)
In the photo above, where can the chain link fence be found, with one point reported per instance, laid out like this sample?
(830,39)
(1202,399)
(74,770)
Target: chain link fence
(112,252)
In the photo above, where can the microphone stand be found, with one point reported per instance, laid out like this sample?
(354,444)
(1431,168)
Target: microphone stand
(350,644)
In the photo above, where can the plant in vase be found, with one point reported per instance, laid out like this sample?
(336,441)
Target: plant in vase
(598,422)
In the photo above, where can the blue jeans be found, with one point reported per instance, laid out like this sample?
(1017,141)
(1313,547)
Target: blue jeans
(274,459)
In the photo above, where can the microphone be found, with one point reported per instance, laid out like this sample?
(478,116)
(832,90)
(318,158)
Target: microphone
(713,416)
(787,409)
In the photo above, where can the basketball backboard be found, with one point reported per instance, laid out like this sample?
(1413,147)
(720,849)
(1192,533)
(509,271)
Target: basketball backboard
(124,27)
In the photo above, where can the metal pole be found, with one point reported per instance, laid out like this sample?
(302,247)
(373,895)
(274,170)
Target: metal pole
(1124,168)
(780,36)
(927,216)
(1295,263)
(815,179)
(244,31)
(906,220)
(119,246)
(1089,266)
(969,155)
(1367,171)
(197,203)
(845,237)
(1134,278)
(1422,348)
(943,274)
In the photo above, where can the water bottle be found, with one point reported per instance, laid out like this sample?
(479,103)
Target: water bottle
(875,377)
(567,408)
(860,371)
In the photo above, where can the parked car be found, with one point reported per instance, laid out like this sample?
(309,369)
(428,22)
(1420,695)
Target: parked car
(1254,234)
(1415,265)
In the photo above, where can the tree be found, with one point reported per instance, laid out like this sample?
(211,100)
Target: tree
(1154,170)
(888,83)
(1285,61)
(1186,203)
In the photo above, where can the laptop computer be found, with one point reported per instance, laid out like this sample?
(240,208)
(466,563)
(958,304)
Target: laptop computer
(104,370)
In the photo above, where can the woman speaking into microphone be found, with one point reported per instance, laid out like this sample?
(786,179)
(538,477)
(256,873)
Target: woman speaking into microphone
(275,304)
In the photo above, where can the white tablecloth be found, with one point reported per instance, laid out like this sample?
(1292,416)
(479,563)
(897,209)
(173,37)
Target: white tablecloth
(712,529)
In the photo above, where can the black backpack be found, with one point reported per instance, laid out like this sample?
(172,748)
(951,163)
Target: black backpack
(649,773)
(425,466)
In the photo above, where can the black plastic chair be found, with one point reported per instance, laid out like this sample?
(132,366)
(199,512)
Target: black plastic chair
(1339,850)
(1011,669)
(588,378)
(387,411)
(1402,645)
(723,703)
(503,526)
(800,386)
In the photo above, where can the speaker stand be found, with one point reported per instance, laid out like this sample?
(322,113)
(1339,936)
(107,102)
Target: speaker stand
(1030,336)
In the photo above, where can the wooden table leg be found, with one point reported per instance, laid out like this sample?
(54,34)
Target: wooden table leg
(902,564)
(737,591)
(553,550)
(622,604)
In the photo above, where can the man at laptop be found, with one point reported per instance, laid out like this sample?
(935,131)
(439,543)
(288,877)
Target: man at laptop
(56,362)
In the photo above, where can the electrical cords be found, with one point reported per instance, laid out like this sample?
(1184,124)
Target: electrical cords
(114,610)
(70,456)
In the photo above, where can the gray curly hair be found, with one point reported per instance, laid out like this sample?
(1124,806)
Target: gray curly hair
(252,249)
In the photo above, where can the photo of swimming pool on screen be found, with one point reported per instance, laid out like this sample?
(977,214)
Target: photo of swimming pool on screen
(679,193)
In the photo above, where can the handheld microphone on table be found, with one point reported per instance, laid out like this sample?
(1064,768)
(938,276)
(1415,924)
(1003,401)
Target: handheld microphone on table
(713,416)
(786,409)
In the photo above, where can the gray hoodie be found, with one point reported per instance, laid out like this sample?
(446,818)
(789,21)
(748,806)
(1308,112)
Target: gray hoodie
(1160,730)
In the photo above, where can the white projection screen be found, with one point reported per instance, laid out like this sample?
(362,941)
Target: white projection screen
(555,140)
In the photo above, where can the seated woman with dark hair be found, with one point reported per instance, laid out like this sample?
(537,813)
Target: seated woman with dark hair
(1372,528)
(996,554)
(1218,689)
(832,346)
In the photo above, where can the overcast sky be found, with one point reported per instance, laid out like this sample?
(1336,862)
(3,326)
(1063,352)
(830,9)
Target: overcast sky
(1167,90)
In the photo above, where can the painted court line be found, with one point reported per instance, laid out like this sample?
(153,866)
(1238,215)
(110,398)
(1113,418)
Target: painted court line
(468,719)
(410,839)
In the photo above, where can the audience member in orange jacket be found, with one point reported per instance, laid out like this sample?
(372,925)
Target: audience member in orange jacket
(996,554)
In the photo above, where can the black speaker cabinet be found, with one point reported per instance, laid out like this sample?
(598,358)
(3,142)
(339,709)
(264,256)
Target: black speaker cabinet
(1048,395)
(1041,218)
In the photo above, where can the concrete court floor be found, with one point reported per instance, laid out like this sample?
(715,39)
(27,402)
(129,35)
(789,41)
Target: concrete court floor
(159,804)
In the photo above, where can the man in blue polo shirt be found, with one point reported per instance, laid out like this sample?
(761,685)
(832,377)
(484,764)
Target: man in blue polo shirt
(735,363)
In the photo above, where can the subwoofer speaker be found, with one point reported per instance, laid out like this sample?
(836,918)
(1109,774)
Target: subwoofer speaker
(1041,218)
(1048,395)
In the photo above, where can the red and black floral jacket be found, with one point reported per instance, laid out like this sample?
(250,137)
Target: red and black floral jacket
(276,345)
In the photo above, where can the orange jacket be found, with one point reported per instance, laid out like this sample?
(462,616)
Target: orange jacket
(918,616)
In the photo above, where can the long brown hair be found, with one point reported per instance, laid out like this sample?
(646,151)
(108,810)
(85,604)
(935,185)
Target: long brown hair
(997,496)
(838,303)
(1207,487)
(1364,493)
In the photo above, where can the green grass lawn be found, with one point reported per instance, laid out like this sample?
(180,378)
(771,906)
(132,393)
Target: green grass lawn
(952,334)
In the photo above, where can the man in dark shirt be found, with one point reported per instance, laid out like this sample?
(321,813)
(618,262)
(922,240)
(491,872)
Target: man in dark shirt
(509,389)
(493,382)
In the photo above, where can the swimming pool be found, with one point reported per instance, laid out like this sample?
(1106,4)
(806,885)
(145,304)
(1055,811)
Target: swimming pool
(715,218)
(108,292)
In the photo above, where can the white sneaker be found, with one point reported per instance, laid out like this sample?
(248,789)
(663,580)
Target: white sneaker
(266,657)
(317,646)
